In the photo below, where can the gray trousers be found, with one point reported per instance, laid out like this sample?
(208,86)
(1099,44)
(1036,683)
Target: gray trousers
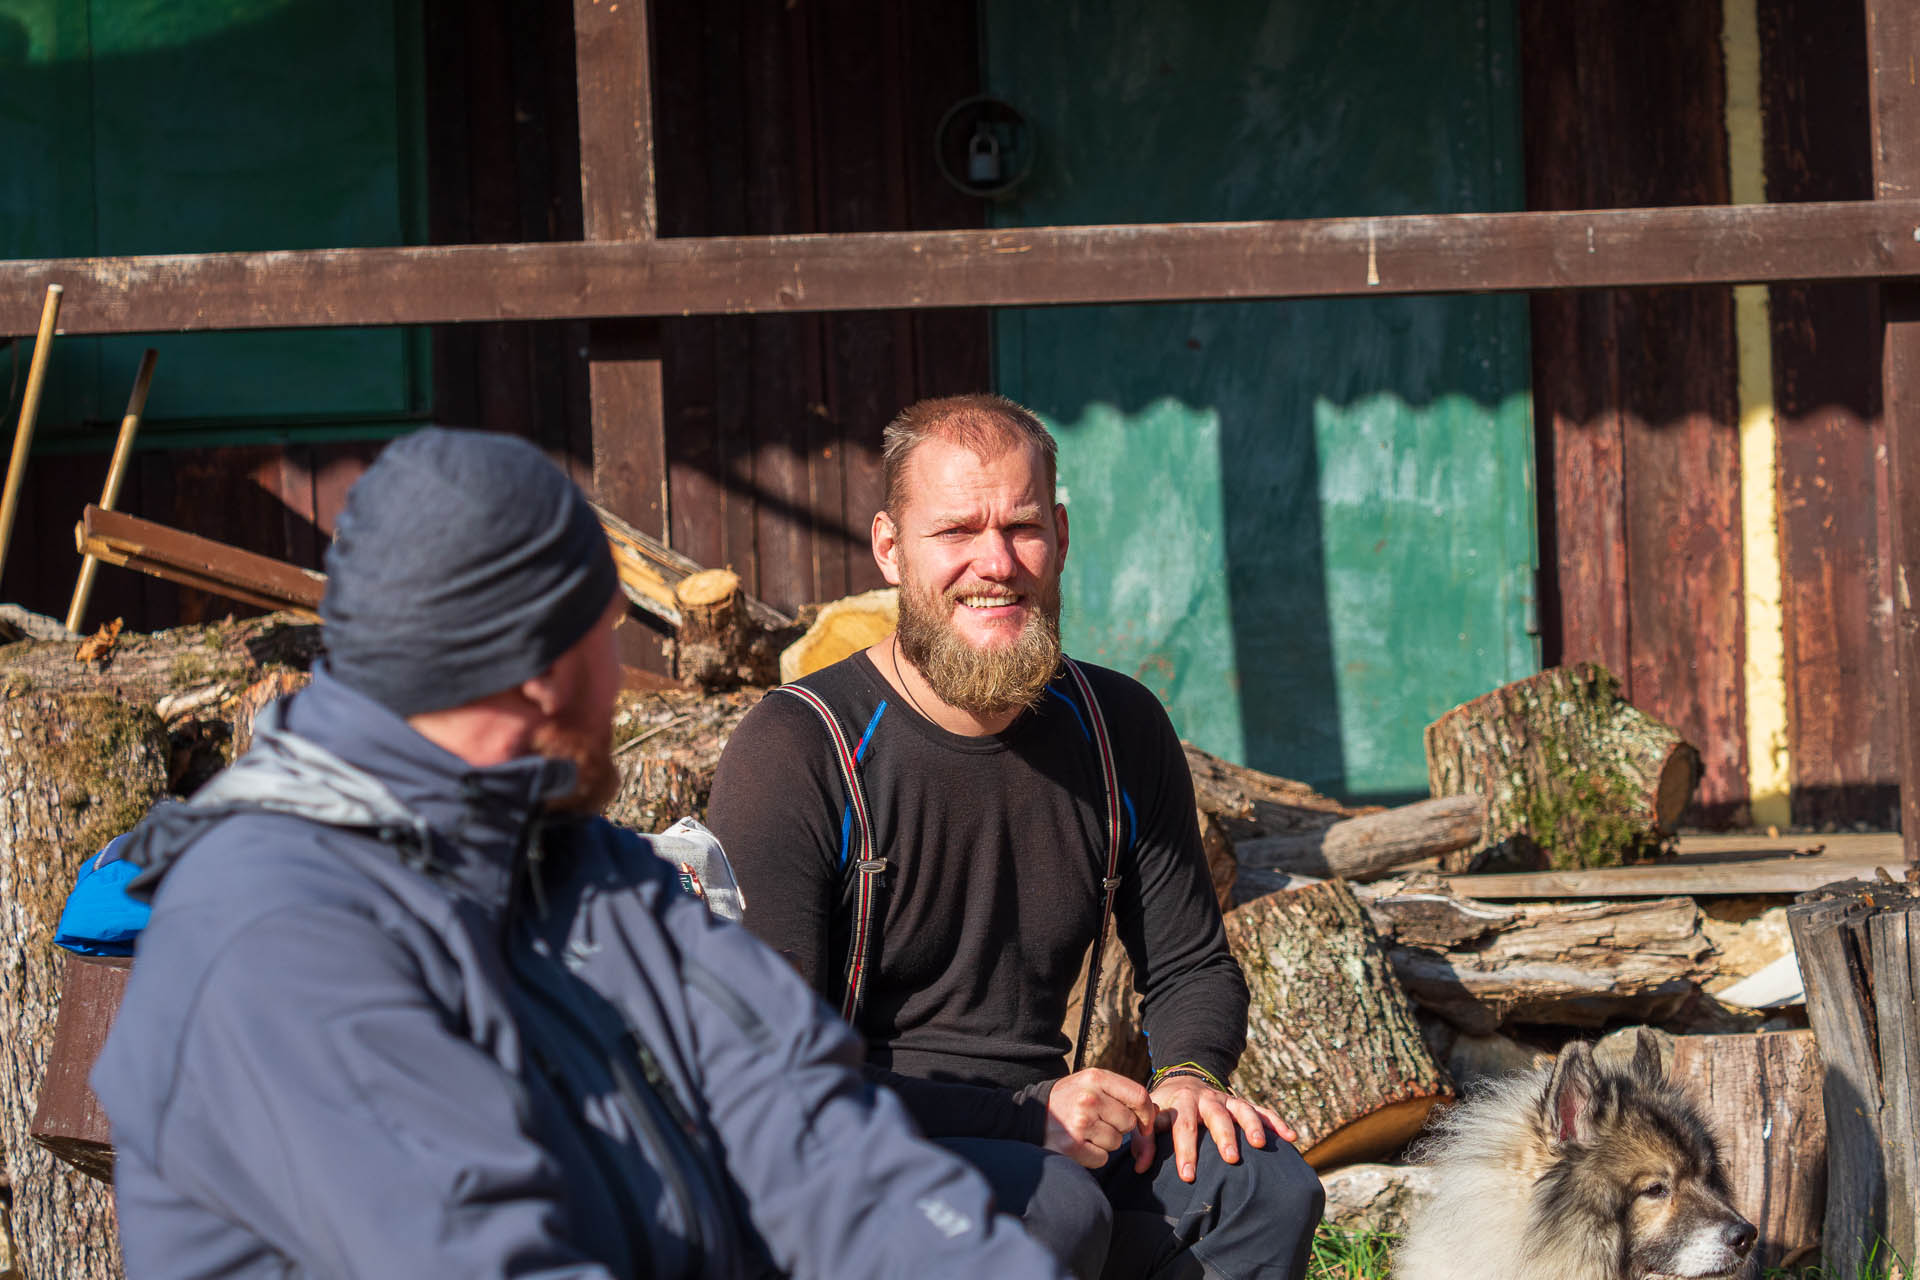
(1248,1221)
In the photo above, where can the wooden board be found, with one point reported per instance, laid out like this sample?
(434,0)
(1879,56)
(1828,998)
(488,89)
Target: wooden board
(1706,866)
(1634,392)
(1322,257)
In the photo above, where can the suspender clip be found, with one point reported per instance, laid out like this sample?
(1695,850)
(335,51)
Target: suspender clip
(872,866)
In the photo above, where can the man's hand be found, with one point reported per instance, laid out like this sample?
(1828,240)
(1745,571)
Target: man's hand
(1184,1103)
(1090,1113)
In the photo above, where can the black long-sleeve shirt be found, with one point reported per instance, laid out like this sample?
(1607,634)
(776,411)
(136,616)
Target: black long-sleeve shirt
(996,847)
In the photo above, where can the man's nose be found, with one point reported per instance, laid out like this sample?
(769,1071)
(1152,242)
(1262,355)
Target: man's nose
(993,557)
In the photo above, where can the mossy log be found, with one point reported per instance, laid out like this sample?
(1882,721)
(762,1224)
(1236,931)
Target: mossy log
(1573,775)
(76,769)
(1332,1043)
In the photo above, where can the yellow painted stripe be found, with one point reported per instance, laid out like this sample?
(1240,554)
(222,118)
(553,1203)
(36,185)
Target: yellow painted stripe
(1769,762)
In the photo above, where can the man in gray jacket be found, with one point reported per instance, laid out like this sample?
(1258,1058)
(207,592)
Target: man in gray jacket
(407,1008)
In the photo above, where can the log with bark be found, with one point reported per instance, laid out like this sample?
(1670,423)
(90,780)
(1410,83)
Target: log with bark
(1481,965)
(1858,944)
(1332,1043)
(1370,845)
(76,769)
(1573,774)
(720,643)
(1761,1096)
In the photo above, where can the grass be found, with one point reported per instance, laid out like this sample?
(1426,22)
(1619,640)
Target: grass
(1340,1254)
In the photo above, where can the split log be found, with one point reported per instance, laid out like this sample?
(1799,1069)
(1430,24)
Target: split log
(1332,1043)
(1372,844)
(1760,1095)
(1581,964)
(1574,776)
(720,644)
(1859,949)
(75,771)
(841,628)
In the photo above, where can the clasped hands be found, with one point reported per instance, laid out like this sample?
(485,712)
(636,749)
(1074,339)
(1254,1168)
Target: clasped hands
(1091,1112)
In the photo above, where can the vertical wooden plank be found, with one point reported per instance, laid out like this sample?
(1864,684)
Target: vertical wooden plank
(1893,65)
(1836,611)
(611,69)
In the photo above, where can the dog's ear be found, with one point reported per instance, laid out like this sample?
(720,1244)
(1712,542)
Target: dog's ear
(1647,1070)
(1570,1094)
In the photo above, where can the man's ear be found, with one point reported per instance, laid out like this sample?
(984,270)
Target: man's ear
(549,691)
(1060,533)
(886,547)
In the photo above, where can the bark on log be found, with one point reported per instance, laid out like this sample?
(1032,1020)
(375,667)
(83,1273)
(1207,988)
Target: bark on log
(667,746)
(1573,775)
(720,644)
(1372,844)
(1249,804)
(1332,1043)
(76,769)
(1761,1097)
(1580,964)
(1859,949)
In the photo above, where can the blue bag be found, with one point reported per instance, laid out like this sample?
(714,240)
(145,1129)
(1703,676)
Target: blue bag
(99,918)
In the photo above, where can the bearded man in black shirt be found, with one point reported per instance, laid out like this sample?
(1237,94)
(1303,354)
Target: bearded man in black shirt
(926,830)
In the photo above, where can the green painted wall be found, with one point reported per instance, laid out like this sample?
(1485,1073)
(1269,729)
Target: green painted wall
(1308,526)
(184,126)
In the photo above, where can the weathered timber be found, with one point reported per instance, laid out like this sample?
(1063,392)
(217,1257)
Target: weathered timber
(1859,952)
(1250,804)
(1372,844)
(76,769)
(668,744)
(1573,774)
(68,1119)
(1166,262)
(841,628)
(1761,1097)
(1575,964)
(1332,1043)
(133,543)
(719,644)
(650,570)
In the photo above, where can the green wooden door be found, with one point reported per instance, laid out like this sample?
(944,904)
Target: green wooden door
(186,126)
(1308,526)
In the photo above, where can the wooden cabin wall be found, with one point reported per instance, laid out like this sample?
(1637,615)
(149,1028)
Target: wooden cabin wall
(771,118)
(1834,533)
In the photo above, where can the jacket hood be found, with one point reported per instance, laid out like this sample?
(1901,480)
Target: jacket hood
(332,755)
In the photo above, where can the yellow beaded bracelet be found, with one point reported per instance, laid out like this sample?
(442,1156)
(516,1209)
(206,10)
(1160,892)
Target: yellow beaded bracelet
(1186,1069)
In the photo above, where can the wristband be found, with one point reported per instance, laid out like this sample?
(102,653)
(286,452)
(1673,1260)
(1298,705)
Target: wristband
(1186,1069)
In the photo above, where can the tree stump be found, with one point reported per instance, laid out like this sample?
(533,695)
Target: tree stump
(719,643)
(1858,945)
(1574,776)
(1761,1096)
(1332,1043)
(76,769)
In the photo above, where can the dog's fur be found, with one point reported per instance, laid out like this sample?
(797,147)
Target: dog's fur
(1576,1172)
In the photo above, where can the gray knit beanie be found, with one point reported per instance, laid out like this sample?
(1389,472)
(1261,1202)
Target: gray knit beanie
(464,563)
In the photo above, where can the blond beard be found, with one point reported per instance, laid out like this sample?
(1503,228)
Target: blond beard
(987,682)
(598,779)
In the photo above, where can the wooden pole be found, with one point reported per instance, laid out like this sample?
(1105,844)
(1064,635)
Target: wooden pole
(29,409)
(1893,51)
(116,472)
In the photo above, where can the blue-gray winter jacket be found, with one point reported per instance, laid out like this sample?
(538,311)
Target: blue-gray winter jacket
(386,1021)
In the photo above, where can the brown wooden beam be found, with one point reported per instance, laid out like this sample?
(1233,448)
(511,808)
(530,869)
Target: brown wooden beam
(202,563)
(1893,53)
(1170,262)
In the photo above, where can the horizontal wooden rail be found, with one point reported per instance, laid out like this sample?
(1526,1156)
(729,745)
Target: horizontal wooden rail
(1168,262)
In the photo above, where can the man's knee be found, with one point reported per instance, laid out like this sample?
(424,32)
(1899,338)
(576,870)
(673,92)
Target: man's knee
(1060,1204)
(1274,1182)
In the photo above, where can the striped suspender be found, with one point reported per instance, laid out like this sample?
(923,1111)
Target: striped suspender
(1110,782)
(859,950)
(870,866)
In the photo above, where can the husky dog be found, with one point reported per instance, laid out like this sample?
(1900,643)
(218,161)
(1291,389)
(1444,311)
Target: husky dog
(1576,1172)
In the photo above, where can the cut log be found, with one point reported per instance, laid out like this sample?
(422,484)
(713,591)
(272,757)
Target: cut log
(650,570)
(1369,846)
(1761,1097)
(1581,964)
(75,771)
(1332,1044)
(840,629)
(1858,945)
(1249,804)
(720,645)
(1573,775)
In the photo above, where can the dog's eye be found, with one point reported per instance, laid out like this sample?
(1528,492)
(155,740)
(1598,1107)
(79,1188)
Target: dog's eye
(1654,1191)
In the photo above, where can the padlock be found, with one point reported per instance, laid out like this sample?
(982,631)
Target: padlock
(983,157)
